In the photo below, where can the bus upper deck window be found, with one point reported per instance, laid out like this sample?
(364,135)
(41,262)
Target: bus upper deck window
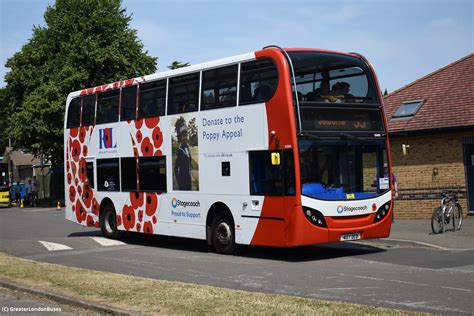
(183,94)
(128,103)
(152,99)
(219,88)
(88,110)
(258,81)
(107,107)
(74,113)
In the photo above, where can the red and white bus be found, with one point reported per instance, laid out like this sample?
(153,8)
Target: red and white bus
(278,147)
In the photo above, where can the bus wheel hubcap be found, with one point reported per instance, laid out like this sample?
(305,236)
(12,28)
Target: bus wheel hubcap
(224,234)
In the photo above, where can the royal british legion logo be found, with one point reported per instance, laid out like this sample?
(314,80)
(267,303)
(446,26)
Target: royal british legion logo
(106,138)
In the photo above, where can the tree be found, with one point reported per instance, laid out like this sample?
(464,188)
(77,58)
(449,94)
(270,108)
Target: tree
(177,64)
(83,44)
(3,119)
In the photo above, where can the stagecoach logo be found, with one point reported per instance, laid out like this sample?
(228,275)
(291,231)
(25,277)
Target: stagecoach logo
(175,203)
(106,138)
(341,209)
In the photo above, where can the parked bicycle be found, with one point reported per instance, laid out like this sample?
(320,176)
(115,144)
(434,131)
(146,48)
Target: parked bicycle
(448,211)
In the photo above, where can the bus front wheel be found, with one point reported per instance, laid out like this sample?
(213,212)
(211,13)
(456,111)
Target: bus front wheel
(108,222)
(223,234)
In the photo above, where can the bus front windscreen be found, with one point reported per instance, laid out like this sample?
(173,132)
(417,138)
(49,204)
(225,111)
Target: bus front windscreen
(343,170)
(333,79)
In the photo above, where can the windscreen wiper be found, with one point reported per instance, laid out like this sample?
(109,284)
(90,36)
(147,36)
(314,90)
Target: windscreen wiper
(309,136)
(347,136)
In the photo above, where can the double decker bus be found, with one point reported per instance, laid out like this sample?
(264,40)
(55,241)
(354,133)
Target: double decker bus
(278,147)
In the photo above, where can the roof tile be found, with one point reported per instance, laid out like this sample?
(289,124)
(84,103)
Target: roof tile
(448,94)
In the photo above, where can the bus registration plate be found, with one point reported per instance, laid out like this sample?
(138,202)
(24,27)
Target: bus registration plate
(348,237)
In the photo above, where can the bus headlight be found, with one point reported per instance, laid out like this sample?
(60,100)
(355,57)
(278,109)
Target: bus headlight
(314,217)
(382,212)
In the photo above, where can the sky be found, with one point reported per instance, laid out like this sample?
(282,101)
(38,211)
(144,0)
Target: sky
(404,39)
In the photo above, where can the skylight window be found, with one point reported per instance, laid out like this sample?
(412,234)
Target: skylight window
(408,109)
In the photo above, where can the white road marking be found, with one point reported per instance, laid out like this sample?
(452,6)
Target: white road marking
(419,243)
(408,282)
(366,277)
(52,246)
(456,288)
(107,242)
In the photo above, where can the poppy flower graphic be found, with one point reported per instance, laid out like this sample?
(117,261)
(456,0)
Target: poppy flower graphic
(73,132)
(119,220)
(87,195)
(152,122)
(151,204)
(72,193)
(76,150)
(138,123)
(84,150)
(128,217)
(90,221)
(80,211)
(69,178)
(82,134)
(95,207)
(148,228)
(140,216)
(157,137)
(82,170)
(139,136)
(147,147)
(136,198)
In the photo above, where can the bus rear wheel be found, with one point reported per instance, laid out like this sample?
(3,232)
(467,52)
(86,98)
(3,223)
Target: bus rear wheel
(223,234)
(108,223)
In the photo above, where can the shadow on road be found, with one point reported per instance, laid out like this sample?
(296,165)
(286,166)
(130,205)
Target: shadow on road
(92,233)
(296,254)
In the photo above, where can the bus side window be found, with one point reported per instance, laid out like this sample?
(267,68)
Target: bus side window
(129,173)
(107,107)
(88,110)
(151,99)
(108,174)
(74,113)
(128,103)
(152,173)
(90,173)
(258,81)
(183,94)
(265,177)
(219,87)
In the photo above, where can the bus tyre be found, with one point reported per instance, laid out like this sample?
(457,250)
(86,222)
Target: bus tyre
(108,223)
(223,234)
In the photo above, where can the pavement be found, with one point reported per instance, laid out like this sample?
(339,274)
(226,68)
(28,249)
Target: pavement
(418,232)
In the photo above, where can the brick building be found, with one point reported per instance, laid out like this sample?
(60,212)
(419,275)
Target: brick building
(431,123)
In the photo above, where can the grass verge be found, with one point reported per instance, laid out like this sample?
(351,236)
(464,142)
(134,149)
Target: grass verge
(150,296)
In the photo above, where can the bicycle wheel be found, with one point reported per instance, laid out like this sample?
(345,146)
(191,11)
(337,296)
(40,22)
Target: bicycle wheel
(436,218)
(457,217)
